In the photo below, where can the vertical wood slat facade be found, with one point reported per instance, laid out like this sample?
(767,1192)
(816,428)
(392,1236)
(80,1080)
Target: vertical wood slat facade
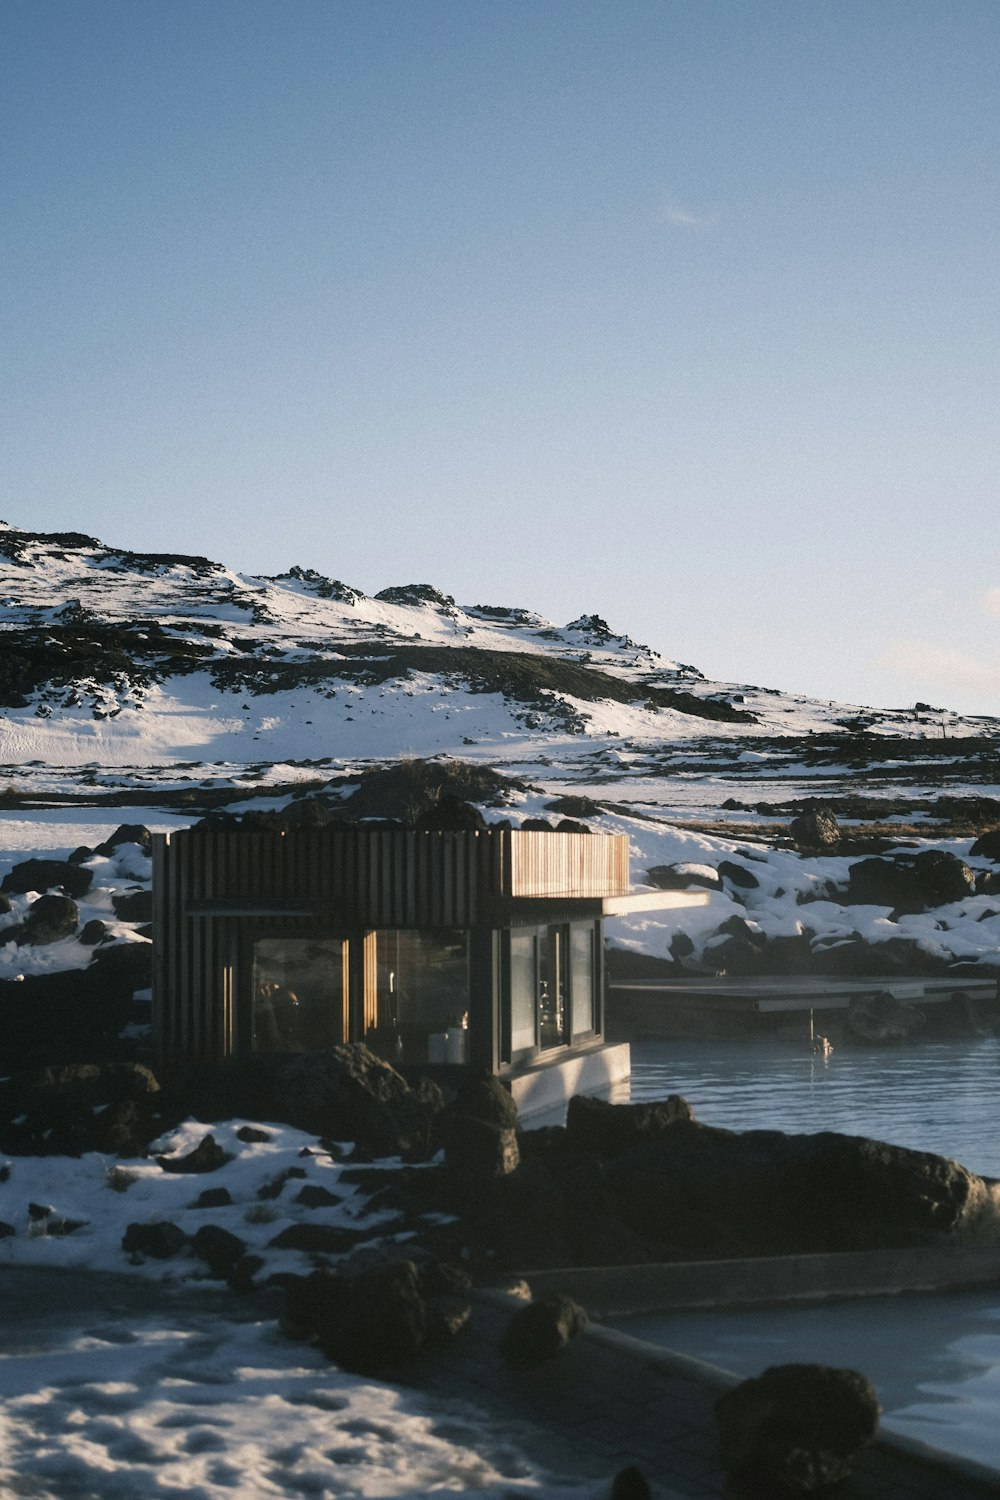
(212,890)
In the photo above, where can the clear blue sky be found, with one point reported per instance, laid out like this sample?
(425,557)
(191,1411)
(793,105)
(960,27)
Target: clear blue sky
(680,311)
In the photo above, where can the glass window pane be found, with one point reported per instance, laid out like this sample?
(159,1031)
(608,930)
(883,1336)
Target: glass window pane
(523,991)
(298,994)
(582,970)
(553,955)
(423,995)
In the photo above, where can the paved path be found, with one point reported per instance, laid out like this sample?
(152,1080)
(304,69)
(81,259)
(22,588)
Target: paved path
(609,1400)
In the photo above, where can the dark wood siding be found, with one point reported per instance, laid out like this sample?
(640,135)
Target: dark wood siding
(213,889)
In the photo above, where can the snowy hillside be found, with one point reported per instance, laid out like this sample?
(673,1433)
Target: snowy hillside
(129,659)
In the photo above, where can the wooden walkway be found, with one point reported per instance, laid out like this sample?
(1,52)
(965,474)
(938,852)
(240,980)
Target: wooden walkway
(804,992)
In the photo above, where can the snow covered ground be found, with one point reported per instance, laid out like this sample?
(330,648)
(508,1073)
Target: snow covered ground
(122,1375)
(154,1388)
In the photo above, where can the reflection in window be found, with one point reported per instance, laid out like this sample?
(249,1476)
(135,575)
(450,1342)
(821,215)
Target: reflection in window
(582,970)
(298,994)
(551,985)
(523,992)
(422,1007)
(553,975)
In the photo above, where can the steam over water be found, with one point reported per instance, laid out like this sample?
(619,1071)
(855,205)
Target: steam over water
(934,1096)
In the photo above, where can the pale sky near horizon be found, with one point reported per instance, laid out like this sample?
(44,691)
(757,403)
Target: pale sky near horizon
(683,312)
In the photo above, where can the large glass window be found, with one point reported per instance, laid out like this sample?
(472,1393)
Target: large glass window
(422,1001)
(299,997)
(550,987)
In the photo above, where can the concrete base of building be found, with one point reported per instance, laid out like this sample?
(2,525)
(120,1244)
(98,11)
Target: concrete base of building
(544,1087)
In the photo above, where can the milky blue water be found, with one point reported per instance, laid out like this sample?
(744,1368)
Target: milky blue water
(935,1096)
(934,1360)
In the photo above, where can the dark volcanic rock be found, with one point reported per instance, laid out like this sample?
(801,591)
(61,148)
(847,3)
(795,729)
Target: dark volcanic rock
(344,1093)
(681,877)
(538,1331)
(987,846)
(79,1107)
(595,1125)
(75,1013)
(45,875)
(476,1150)
(161,1240)
(368,1322)
(796,1429)
(881,1018)
(130,964)
(218,1248)
(207,1156)
(480,1096)
(697,1189)
(317,1239)
(450,814)
(910,883)
(48,919)
(127,833)
(816,829)
(133,906)
(738,875)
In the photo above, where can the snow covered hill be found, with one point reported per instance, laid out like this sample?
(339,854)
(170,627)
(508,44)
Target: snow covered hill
(171,685)
(131,659)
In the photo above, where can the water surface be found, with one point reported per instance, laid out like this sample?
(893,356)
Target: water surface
(939,1096)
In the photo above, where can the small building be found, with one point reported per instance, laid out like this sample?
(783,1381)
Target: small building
(479,949)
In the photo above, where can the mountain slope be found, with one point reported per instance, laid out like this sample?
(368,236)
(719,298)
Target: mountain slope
(123,658)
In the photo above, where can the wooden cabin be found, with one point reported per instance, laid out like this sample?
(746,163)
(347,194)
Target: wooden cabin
(479,949)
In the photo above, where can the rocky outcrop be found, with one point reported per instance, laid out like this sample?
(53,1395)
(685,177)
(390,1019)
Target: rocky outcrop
(683,877)
(72,1108)
(628,1184)
(816,831)
(796,1429)
(75,1014)
(47,875)
(538,1331)
(910,883)
(344,1093)
(47,920)
(375,1319)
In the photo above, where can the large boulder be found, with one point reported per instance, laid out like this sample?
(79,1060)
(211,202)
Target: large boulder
(987,846)
(538,1331)
(883,1019)
(796,1429)
(129,963)
(71,1108)
(696,1189)
(133,906)
(46,875)
(344,1093)
(370,1322)
(682,877)
(738,875)
(48,920)
(910,883)
(75,1014)
(816,831)
(450,814)
(127,833)
(608,1129)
